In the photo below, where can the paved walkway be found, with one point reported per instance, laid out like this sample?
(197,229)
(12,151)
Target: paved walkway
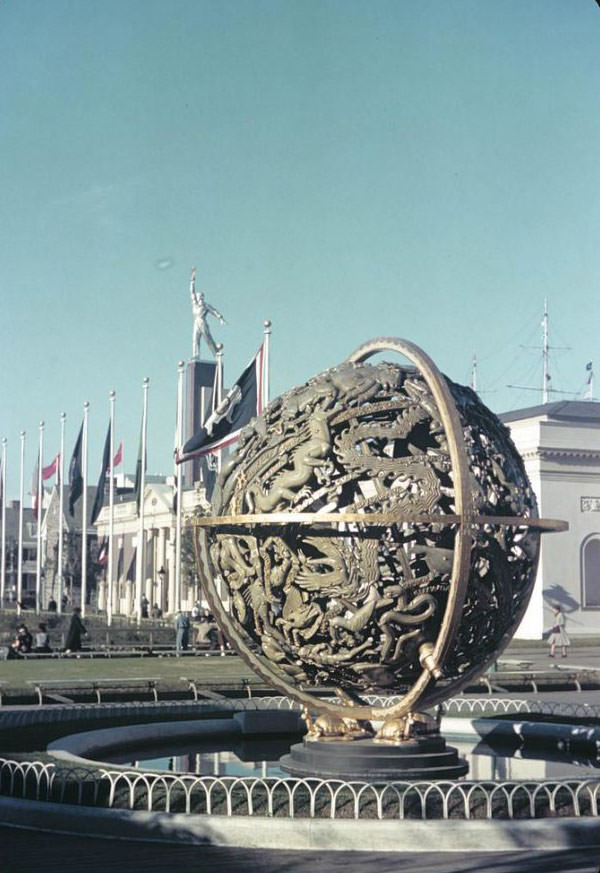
(30,850)
(578,656)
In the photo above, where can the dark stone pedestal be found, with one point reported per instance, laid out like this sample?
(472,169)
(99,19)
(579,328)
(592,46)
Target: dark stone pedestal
(422,758)
(198,405)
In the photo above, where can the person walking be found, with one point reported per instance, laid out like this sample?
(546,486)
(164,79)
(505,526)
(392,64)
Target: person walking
(75,632)
(558,635)
(182,632)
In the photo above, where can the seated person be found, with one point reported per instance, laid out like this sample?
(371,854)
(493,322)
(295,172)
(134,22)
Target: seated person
(22,643)
(42,639)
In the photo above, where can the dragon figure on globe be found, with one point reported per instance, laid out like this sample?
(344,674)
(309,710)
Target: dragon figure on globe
(375,531)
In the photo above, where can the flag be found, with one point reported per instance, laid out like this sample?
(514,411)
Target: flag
(588,368)
(47,473)
(241,403)
(51,469)
(75,474)
(118,457)
(34,486)
(138,471)
(103,553)
(99,499)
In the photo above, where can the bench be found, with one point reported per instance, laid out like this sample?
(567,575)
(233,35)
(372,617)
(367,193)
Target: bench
(197,686)
(103,651)
(511,664)
(53,687)
(558,675)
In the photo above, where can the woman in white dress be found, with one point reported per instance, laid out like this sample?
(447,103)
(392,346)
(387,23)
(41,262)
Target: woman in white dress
(558,635)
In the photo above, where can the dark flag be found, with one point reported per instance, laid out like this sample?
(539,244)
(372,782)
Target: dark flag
(241,403)
(138,473)
(99,500)
(75,474)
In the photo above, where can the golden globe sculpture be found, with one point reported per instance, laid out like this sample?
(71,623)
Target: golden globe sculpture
(375,531)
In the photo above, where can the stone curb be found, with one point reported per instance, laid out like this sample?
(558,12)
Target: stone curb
(260,832)
(91,744)
(546,734)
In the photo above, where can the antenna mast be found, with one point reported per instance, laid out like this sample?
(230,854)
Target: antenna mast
(474,373)
(545,369)
(546,377)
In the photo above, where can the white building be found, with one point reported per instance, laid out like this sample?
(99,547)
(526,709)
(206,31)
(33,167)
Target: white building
(159,549)
(560,445)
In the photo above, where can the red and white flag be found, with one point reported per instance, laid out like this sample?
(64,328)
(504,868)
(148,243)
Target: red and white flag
(103,553)
(118,456)
(52,469)
(34,486)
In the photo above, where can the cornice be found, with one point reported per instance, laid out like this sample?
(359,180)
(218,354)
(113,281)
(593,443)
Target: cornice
(547,453)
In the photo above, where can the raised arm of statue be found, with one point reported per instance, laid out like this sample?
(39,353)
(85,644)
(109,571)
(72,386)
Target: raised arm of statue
(200,310)
(216,313)
(193,294)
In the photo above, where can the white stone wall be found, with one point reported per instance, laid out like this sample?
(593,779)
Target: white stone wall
(562,459)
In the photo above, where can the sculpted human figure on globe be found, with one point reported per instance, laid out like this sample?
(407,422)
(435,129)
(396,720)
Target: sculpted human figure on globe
(359,606)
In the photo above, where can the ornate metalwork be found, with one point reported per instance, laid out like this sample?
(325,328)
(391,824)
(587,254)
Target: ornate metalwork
(291,797)
(422,546)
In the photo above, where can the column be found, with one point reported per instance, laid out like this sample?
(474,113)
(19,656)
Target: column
(170,568)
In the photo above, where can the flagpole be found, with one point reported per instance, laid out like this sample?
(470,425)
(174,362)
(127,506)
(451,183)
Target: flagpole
(139,564)
(266,382)
(219,397)
(61,511)
(3,546)
(177,605)
(38,559)
(111,512)
(86,407)
(20,545)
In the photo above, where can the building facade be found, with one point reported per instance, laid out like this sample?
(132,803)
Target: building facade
(560,445)
(29,553)
(158,574)
(51,588)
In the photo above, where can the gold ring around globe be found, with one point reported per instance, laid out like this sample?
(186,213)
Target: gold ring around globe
(463,505)
(464,519)
(279,519)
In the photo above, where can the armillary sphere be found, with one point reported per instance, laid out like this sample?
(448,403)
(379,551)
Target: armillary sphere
(375,531)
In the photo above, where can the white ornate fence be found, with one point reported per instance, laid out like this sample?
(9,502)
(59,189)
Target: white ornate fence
(297,798)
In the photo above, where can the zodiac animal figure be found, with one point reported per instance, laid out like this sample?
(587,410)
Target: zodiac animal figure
(330,727)
(305,458)
(398,730)
(356,618)
(299,621)
(201,310)
(321,655)
(401,615)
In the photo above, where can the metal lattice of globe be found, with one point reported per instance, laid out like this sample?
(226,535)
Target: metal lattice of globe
(374,531)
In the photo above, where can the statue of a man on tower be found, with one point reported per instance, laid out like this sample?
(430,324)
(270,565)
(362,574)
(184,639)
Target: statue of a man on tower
(201,310)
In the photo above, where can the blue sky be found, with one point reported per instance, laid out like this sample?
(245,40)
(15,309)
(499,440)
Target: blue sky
(347,169)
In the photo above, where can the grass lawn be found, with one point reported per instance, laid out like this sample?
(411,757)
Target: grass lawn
(169,670)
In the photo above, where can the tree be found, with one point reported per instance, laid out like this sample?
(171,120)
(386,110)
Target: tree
(189,569)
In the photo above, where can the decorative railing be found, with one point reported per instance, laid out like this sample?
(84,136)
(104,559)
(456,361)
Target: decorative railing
(27,779)
(511,706)
(297,798)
